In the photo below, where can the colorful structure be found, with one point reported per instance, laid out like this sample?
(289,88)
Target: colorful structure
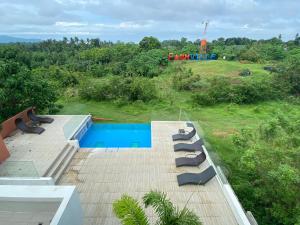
(196,56)
(202,55)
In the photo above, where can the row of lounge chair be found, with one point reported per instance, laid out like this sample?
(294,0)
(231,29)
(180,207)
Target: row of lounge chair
(191,178)
(36,120)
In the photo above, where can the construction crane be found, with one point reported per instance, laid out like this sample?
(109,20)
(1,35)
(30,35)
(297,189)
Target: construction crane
(203,42)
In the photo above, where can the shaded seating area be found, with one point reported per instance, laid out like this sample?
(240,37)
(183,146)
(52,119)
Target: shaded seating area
(196,146)
(196,178)
(20,124)
(187,161)
(38,119)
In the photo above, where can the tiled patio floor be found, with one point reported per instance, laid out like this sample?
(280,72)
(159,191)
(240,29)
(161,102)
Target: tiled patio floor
(32,154)
(103,175)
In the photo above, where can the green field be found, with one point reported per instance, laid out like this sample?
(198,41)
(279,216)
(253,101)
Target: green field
(217,122)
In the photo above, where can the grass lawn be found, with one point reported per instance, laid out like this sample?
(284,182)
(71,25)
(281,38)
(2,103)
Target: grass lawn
(227,68)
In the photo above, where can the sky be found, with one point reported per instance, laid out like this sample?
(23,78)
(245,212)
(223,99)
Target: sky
(131,20)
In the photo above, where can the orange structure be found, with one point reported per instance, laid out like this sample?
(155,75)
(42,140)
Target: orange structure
(203,43)
(9,126)
(4,153)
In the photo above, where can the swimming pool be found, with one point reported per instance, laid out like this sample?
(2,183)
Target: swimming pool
(117,136)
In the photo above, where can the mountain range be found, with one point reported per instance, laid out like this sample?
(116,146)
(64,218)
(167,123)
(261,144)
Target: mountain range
(4,39)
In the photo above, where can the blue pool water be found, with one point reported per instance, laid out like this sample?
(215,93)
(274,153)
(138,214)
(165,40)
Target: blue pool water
(117,135)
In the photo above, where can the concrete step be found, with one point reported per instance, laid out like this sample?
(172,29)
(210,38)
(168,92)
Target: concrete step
(59,172)
(56,161)
(61,161)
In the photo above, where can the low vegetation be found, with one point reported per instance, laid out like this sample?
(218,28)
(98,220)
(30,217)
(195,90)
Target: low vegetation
(247,105)
(128,210)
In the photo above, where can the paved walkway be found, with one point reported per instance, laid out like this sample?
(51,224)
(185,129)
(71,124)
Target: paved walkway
(103,175)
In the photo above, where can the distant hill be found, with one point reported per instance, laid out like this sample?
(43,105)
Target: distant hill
(4,39)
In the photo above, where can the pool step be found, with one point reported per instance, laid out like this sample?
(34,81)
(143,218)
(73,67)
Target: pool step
(61,163)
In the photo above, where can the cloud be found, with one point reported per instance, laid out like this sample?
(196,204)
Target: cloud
(130,20)
(70,24)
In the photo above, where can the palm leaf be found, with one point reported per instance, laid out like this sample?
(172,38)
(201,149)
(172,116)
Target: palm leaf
(162,206)
(128,210)
(167,213)
(187,217)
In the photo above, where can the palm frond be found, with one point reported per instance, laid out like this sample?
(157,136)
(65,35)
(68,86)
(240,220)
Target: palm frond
(187,217)
(162,206)
(128,210)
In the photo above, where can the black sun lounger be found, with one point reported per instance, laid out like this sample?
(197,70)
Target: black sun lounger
(189,124)
(196,146)
(39,119)
(196,178)
(186,161)
(184,137)
(27,129)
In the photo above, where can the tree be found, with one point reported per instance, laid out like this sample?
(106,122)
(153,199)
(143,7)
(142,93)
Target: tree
(290,75)
(148,43)
(147,64)
(250,55)
(130,212)
(20,89)
(266,177)
(297,39)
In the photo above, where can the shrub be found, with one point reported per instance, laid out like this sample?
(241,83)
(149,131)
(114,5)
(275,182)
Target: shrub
(69,80)
(114,88)
(118,68)
(149,43)
(245,72)
(204,99)
(289,76)
(224,89)
(250,55)
(184,79)
(147,64)
(98,70)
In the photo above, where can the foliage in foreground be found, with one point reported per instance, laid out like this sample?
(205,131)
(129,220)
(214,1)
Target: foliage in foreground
(266,178)
(129,212)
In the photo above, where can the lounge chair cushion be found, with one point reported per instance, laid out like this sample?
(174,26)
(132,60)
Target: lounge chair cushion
(196,178)
(39,119)
(184,136)
(196,146)
(186,161)
(27,129)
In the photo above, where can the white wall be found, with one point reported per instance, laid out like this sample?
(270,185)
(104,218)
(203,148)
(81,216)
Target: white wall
(69,211)
(26,181)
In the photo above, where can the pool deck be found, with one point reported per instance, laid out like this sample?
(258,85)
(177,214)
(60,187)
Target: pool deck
(103,175)
(32,154)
